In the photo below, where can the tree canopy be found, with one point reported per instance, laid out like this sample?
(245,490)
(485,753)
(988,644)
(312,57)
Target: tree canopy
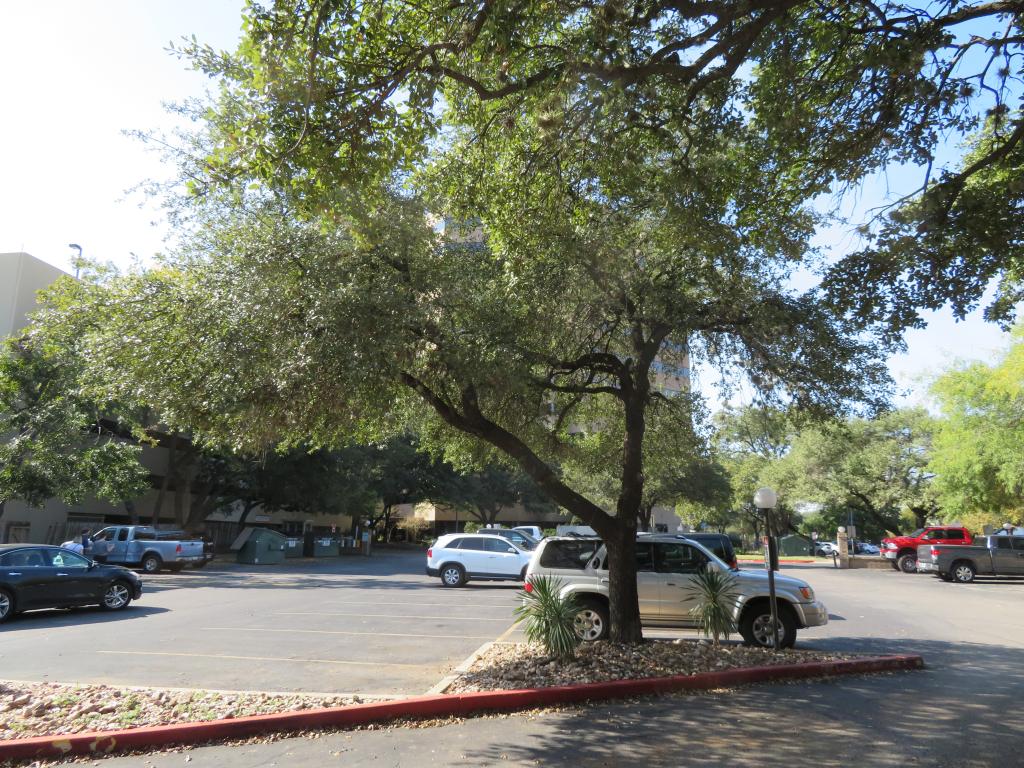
(977,450)
(54,442)
(643,177)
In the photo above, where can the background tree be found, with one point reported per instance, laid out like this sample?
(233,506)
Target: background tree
(56,442)
(872,469)
(399,472)
(486,492)
(977,454)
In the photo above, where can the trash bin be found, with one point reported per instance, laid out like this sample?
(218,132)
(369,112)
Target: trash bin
(795,545)
(260,546)
(325,548)
(293,548)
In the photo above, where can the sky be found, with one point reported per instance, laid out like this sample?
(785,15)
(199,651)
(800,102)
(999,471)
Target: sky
(79,74)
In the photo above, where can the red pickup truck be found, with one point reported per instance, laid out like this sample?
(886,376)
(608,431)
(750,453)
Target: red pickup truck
(902,550)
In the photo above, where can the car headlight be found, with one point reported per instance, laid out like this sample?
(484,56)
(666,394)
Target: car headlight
(807,592)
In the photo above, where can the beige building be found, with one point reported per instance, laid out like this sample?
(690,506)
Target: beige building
(21,278)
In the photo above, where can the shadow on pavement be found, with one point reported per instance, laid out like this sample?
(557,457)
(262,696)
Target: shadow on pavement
(69,617)
(892,719)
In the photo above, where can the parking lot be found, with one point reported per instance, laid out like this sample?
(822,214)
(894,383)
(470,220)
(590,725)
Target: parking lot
(352,625)
(380,627)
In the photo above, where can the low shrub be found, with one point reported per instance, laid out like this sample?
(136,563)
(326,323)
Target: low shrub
(549,617)
(715,593)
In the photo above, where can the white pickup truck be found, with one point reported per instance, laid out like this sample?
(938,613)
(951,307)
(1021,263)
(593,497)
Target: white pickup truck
(148,548)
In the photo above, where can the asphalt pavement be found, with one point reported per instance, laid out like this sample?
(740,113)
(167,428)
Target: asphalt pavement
(374,626)
(962,712)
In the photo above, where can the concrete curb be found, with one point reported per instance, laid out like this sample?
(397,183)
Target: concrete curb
(105,742)
(442,685)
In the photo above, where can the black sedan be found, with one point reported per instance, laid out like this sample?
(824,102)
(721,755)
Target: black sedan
(38,576)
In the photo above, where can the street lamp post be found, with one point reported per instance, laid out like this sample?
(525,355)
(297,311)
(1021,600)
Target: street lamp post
(78,259)
(765,500)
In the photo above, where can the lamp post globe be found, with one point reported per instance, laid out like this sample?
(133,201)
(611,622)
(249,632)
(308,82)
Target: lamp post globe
(765,498)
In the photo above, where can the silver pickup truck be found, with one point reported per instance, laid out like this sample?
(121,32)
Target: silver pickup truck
(147,548)
(987,556)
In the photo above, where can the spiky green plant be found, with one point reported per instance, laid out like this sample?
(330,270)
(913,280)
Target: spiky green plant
(715,593)
(549,617)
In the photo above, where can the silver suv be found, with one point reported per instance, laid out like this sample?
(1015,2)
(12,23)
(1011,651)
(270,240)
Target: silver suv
(666,565)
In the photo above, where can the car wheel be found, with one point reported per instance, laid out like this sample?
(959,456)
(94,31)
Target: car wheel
(963,573)
(453,576)
(756,625)
(591,621)
(116,597)
(151,563)
(6,605)
(908,563)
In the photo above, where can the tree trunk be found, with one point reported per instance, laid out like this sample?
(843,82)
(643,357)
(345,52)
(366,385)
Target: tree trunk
(624,605)
(172,459)
(646,517)
(249,507)
(129,507)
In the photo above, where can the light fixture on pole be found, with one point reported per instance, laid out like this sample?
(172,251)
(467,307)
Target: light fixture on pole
(78,258)
(765,499)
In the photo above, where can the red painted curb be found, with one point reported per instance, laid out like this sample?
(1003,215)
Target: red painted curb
(431,706)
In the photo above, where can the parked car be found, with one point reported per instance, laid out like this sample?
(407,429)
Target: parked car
(902,550)
(458,557)
(36,576)
(719,543)
(825,549)
(517,537)
(666,566)
(533,531)
(148,548)
(987,556)
(865,548)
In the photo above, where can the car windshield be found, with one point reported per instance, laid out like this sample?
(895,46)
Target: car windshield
(916,534)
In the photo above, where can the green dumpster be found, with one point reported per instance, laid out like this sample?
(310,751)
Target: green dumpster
(325,547)
(795,545)
(260,546)
(293,548)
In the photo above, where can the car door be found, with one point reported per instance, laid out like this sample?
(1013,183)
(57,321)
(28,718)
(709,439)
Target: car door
(648,582)
(79,584)
(1004,559)
(473,555)
(1018,551)
(677,563)
(503,558)
(35,578)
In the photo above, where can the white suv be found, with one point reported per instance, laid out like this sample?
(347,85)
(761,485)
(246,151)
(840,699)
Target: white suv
(459,557)
(666,565)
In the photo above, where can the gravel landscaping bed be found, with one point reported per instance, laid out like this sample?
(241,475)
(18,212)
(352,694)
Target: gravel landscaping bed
(40,709)
(521,665)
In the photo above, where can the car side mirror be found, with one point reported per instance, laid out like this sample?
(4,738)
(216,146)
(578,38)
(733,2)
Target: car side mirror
(512,550)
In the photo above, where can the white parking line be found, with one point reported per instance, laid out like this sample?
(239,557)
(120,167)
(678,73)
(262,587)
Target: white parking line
(385,616)
(342,632)
(271,658)
(379,603)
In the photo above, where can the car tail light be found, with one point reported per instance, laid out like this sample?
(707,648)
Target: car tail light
(178,548)
(735,563)
(430,553)
(527,587)
(936,551)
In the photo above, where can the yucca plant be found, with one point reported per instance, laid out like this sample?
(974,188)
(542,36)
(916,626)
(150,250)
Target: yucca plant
(549,617)
(715,593)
